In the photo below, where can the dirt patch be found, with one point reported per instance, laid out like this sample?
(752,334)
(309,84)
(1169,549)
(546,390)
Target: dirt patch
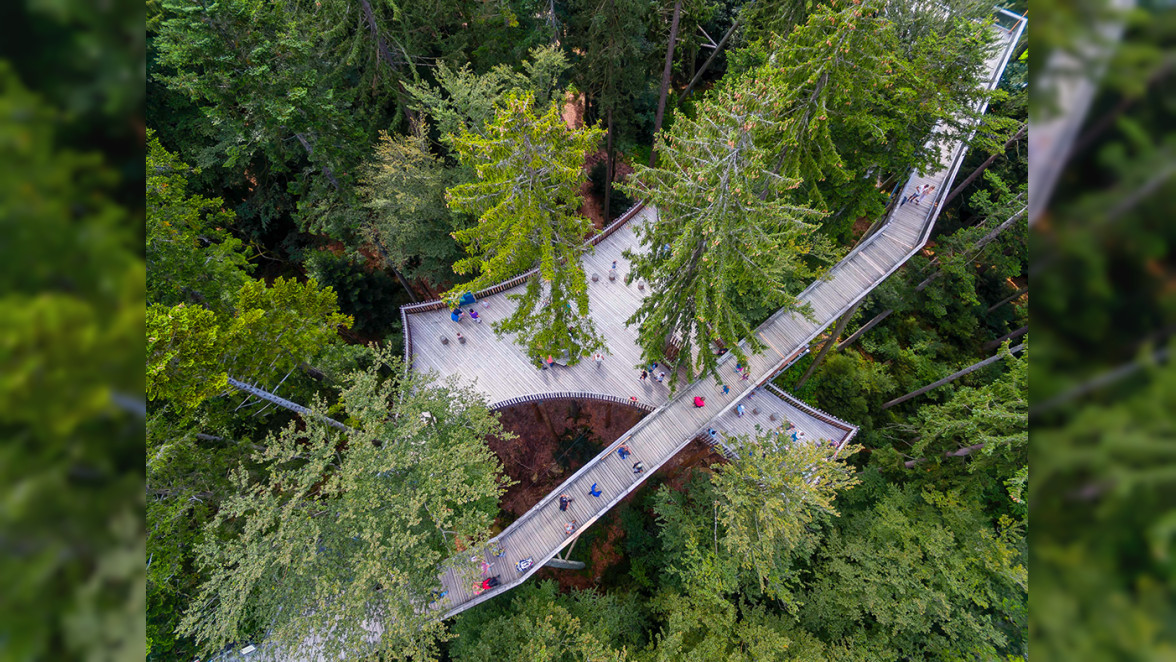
(593,206)
(573,110)
(860,226)
(555,438)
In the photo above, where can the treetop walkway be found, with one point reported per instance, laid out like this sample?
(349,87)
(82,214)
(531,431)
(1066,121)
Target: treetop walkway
(500,369)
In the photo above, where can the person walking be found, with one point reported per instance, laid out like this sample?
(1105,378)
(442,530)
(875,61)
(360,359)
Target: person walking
(644,375)
(661,377)
(926,192)
(726,389)
(624,451)
(714,434)
(569,527)
(564,500)
(739,410)
(599,358)
(699,401)
(633,399)
(638,468)
(550,361)
(456,314)
(474,316)
(594,492)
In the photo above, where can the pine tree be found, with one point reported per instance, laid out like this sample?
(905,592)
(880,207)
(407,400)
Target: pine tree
(613,39)
(526,198)
(858,103)
(718,249)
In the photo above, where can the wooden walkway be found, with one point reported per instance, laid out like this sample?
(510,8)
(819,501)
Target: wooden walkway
(501,371)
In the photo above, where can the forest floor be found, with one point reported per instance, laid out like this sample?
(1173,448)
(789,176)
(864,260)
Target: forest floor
(557,438)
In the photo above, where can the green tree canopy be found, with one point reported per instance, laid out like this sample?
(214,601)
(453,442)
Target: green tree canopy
(921,574)
(767,501)
(403,187)
(344,534)
(527,199)
(191,257)
(191,351)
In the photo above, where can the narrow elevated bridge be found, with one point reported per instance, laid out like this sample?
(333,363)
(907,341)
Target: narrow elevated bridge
(503,372)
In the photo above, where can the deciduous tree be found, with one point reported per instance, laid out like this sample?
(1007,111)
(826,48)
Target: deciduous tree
(340,542)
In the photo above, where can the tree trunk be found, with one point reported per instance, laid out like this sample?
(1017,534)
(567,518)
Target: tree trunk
(706,65)
(1007,299)
(993,344)
(541,412)
(959,452)
(829,342)
(984,166)
(952,377)
(665,85)
(286,404)
(399,276)
(608,169)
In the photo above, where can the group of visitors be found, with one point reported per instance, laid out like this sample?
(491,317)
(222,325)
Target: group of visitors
(920,193)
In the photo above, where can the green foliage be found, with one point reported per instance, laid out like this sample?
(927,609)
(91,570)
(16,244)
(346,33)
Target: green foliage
(920,575)
(191,351)
(697,629)
(767,501)
(366,296)
(191,257)
(542,625)
(526,199)
(403,187)
(858,96)
(465,102)
(851,386)
(277,118)
(717,246)
(71,311)
(343,528)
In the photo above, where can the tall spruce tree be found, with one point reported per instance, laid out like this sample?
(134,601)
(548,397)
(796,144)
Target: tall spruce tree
(279,124)
(719,247)
(529,169)
(858,103)
(403,188)
(611,35)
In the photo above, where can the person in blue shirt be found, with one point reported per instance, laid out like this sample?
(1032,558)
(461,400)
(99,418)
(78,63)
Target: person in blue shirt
(594,492)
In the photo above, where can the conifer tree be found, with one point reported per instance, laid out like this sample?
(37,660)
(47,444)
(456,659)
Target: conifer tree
(858,101)
(403,188)
(526,199)
(717,248)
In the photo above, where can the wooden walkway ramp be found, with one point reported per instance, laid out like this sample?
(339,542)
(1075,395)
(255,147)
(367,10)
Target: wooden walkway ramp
(505,375)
